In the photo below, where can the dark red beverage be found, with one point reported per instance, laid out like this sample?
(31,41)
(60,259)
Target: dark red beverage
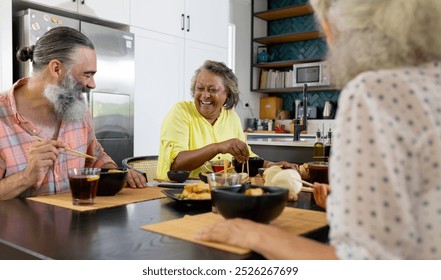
(318,172)
(217,168)
(83,188)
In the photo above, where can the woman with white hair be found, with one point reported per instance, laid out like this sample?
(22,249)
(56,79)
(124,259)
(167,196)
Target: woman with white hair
(386,158)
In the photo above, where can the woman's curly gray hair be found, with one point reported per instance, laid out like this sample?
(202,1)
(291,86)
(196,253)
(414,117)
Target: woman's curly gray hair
(379,34)
(228,77)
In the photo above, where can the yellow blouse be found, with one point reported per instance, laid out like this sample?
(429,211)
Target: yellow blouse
(184,129)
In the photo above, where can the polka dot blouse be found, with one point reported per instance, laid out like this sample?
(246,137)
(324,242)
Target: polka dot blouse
(385,167)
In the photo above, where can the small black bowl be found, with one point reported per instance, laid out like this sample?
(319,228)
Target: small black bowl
(203,176)
(179,176)
(112,181)
(232,202)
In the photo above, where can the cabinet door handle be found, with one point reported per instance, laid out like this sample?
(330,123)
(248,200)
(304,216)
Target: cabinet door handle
(82,2)
(182,21)
(188,23)
(74,1)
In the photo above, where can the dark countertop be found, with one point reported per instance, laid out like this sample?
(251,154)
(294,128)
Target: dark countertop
(34,230)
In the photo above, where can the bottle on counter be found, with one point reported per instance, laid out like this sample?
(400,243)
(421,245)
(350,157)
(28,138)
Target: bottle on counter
(328,145)
(270,125)
(318,153)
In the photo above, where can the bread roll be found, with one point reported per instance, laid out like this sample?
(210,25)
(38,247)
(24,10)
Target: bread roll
(284,178)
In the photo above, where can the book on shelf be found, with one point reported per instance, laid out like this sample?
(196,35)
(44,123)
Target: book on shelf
(263,78)
(271,78)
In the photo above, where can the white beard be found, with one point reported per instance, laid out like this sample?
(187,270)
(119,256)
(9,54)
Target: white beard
(67,99)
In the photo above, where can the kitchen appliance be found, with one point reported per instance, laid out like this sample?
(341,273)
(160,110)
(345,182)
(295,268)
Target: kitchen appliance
(111,102)
(312,74)
(311,112)
(251,124)
(328,110)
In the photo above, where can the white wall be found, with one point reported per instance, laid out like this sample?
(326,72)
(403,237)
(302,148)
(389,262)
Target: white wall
(240,16)
(5,44)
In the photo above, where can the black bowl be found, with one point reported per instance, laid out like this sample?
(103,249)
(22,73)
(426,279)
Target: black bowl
(203,176)
(254,162)
(179,176)
(112,181)
(232,202)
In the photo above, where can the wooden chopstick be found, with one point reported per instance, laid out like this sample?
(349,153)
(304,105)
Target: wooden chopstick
(71,151)
(248,162)
(309,187)
(79,154)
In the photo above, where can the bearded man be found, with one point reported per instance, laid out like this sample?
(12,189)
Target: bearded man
(50,105)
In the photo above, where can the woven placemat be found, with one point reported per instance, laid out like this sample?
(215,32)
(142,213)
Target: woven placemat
(125,196)
(294,220)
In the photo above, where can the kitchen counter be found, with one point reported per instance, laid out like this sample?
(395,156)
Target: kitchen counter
(281,146)
(280,139)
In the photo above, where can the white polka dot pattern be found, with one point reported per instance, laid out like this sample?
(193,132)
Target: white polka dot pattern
(385,170)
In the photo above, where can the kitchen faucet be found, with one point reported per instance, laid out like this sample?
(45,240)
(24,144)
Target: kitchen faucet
(300,127)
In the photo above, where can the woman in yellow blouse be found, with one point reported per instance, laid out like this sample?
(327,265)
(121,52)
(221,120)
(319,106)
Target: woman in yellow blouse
(207,128)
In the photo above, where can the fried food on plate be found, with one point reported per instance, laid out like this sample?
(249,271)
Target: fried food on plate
(199,190)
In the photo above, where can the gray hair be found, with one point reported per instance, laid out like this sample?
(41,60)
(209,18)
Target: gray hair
(379,34)
(228,77)
(59,43)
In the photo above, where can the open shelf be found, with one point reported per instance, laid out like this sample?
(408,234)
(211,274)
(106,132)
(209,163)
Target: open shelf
(285,12)
(281,64)
(287,38)
(293,89)
(271,72)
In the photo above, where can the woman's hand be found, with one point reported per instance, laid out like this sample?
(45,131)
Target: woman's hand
(269,241)
(237,148)
(321,192)
(136,179)
(239,232)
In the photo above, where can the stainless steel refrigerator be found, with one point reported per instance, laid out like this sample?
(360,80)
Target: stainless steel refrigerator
(111,102)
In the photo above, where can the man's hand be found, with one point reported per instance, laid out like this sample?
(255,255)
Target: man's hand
(136,179)
(42,156)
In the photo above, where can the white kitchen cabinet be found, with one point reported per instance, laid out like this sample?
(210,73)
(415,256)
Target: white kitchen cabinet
(115,10)
(166,56)
(204,21)
(164,65)
(159,77)
(208,21)
(165,16)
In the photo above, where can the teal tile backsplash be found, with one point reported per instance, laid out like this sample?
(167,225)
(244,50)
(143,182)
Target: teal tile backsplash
(302,50)
(275,4)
